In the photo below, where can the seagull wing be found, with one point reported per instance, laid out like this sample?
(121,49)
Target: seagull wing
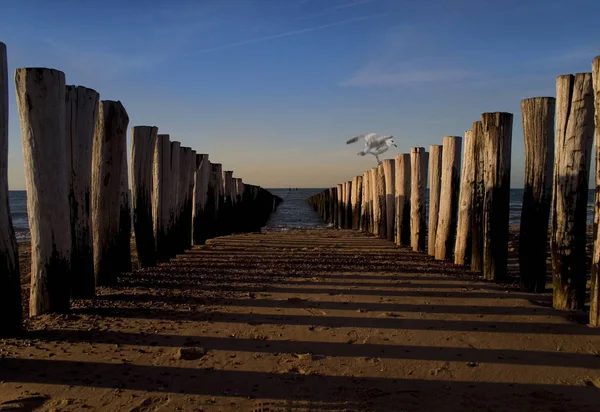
(356,139)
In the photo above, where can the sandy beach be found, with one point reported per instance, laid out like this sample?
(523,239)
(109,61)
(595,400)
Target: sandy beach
(304,320)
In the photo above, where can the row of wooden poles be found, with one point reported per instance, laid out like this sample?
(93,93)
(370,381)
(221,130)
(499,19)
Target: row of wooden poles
(78,196)
(468,219)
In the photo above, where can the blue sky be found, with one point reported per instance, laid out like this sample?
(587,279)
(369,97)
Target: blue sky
(272,89)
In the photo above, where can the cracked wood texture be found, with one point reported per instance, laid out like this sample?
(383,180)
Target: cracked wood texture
(109,155)
(201,197)
(161,196)
(389,171)
(348,204)
(479,190)
(82,111)
(462,247)
(435,180)
(574,137)
(538,132)
(143,147)
(595,284)
(418,163)
(402,197)
(41,97)
(364,207)
(379,203)
(449,191)
(10,284)
(356,201)
(497,134)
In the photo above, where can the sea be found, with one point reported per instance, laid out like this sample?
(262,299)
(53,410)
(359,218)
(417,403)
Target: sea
(293,213)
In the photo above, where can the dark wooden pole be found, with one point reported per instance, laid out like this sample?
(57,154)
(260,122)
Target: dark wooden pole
(478,195)
(389,170)
(82,111)
(110,149)
(356,201)
(143,147)
(11,320)
(201,197)
(574,137)
(403,183)
(364,205)
(41,103)
(418,162)
(497,133)
(538,131)
(161,196)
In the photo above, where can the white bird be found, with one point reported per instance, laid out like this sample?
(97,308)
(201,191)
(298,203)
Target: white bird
(374,144)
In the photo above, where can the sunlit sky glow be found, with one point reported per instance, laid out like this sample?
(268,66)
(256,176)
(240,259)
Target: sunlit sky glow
(272,89)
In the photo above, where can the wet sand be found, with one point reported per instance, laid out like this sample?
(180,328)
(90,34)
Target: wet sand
(307,320)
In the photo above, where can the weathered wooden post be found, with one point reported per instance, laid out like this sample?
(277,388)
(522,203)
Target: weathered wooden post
(418,162)
(125,217)
(403,183)
(189,216)
(174,198)
(497,133)
(389,172)
(477,222)
(143,146)
(538,132)
(348,203)
(574,136)
(41,103)
(449,190)
(186,188)
(373,202)
(379,215)
(340,207)
(356,201)
(161,196)
(462,247)
(81,111)
(217,176)
(110,149)
(200,197)
(227,201)
(11,320)
(332,205)
(364,206)
(435,180)
(595,284)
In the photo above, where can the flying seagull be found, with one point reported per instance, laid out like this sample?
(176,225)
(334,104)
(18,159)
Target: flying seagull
(374,144)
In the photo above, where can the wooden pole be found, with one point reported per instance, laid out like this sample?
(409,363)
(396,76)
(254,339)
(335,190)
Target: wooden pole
(373,201)
(189,214)
(82,111)
(184,226)
(574,137)
(125,223)
(348,204)
(161,196)
(595,284)
(143,146)
(538,132)
(364,206)
(217,177)
(497,132)
(356,201)
(462,248)
(435,180)
(10,284)
(418,162)
(449,190)
(110,148)
(477,231)
(402,194)
(340,206)
(389,171)
(332,202)
(200,197)
(41,103)
(379,212)
(174,198)
(227,200)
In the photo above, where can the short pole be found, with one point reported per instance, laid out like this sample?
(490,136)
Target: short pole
(418,161)
(402,193)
